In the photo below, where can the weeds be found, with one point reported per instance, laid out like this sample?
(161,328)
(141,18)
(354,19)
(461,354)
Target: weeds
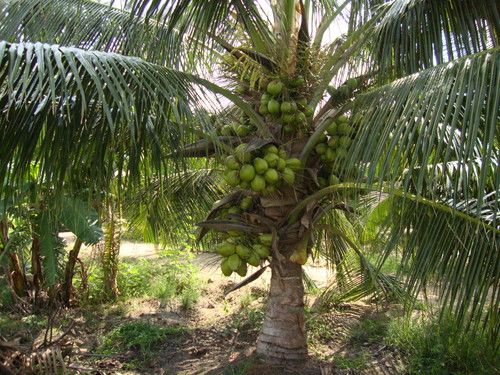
(170,277)
(357,362)
(436,347)
(369,330)
(141,337)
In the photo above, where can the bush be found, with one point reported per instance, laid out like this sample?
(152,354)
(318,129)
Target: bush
(436,347)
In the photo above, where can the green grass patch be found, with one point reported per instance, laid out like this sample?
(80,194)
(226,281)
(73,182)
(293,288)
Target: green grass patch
(167,278)
(437,347)
(357,362)
(141,337)
(319,328)
(369,330)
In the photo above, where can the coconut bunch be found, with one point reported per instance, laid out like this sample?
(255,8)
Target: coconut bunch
(335,142)
(284,104)
(262,170)
(239,251)
(240,128)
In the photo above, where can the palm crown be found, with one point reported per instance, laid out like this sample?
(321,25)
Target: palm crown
(392,124)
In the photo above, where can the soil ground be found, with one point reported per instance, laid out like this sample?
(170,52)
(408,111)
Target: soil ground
(219,332)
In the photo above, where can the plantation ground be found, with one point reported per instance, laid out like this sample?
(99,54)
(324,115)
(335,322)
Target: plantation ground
(210,333)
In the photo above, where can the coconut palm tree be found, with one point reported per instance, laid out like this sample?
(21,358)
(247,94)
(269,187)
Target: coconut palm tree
(314,111)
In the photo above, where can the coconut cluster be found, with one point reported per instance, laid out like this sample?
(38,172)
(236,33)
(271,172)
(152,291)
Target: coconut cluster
(240,128)
(239,251)
(282,103)
(344,90)
(262,170)
(333,145)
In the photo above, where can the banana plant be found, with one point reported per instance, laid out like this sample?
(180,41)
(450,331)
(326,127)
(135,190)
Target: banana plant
(309,109)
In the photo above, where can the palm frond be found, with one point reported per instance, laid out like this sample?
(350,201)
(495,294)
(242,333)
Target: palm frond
(166,208)
(408,130)
(459,257)
(195,22)
(71,110)
(87,25)
(418,34)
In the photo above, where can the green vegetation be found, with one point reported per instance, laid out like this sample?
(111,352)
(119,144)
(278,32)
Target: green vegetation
(143,338)
(284,130)
(355,362)
(438,347)
(169,277)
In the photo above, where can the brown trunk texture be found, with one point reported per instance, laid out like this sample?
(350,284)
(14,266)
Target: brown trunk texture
(70,271)
(17,276)
(283,335)
(36,265)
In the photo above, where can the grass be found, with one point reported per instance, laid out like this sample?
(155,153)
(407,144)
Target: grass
(171,277)
(141,337)
(356,362)
(250,316)
(319,328)
(369,330)
(437,347)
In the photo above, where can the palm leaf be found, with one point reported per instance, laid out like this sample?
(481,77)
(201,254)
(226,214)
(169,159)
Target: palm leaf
(74,109)
(418,34)
(404,137)
(88,25)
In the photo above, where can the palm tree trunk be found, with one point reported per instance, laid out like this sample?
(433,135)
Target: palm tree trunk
(16,275)
(36,265)
(111,251)
(70,271)
(283,335)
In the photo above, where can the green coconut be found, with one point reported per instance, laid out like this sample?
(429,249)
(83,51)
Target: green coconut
(334,180)
(345,141)
(271,176)
(275,87)
(321,148)
(271,149)
(254,259)
(246,203)
(332,128)
(258,184)
(261,250)
(242,154)
(294,164)
(271,159)
(300,117)
(227,130)
(263,109)
(243,251)
(288,118)
(226,270)
(343,129)
(260,165)
(234,262)
(242,131)
(273,107)
(281,165)
(225,249)
(330,155)
(232,177)
(333,142)
(231,162)
(242,269)
(288,175)
(247,172)
(286,107)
